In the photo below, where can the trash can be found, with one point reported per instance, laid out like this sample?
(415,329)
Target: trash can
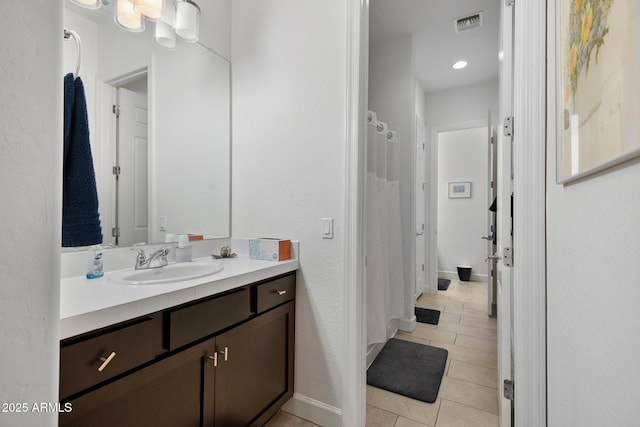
(464,272)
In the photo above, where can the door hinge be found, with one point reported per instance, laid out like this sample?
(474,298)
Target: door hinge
(423,185)
(116,170)
(115,232)
(508,126)
(509,2)
(507,257)
(116,110)
(508,389)
(422,267)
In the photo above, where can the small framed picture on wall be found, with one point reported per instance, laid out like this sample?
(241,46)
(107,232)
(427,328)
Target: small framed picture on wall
(459,190)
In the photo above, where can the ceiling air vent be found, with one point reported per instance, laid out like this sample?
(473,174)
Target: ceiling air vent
(468,22)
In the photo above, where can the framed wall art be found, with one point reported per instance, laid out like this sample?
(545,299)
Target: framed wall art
(597,85)
(459,190)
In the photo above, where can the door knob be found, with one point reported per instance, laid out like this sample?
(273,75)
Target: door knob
(494,257)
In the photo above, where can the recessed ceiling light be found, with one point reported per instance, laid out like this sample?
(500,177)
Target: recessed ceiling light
(459,65)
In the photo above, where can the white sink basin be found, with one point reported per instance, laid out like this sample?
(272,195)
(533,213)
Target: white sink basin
(170,273)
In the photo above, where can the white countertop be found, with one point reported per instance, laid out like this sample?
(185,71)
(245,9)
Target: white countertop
(86,304)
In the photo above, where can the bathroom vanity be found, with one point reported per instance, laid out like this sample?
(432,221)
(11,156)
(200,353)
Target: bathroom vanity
(218,351)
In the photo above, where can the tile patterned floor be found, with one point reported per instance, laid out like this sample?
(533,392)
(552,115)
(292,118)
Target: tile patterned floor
(468,394)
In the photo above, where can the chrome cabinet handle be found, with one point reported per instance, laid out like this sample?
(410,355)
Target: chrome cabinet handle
(489,237)
(214,359)
(281,292)
(106,360)
(225,353)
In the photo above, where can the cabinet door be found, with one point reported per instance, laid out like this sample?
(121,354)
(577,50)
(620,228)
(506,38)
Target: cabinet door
(257,376)
(174,392)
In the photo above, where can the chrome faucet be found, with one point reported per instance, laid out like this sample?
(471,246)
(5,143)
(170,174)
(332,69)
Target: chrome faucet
(144,262)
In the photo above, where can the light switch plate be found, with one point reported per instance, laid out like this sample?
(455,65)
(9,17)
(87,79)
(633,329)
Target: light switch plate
(327,228)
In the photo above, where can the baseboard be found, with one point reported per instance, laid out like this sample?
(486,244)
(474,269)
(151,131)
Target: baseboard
(314,411)
(453,275)
(372,352)
(407,325)
(374,349)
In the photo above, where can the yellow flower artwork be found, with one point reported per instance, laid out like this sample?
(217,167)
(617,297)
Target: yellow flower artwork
(587,31)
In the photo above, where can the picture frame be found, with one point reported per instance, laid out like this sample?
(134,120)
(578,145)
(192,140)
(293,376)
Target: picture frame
(597,82)
(459,190)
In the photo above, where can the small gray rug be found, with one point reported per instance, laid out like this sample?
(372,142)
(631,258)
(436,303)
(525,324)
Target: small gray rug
(443,284)
(410,369)
(427,315)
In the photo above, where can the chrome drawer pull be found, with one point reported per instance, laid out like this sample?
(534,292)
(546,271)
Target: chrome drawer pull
(106,360)
(280,292)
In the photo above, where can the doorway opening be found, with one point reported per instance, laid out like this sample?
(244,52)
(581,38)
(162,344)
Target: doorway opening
(127,189)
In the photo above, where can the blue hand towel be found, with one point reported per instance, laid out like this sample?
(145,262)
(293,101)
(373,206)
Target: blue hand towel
(80,217)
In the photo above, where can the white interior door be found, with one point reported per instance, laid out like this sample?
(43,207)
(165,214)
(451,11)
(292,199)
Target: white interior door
(504,217)
(420,189)
(133,194)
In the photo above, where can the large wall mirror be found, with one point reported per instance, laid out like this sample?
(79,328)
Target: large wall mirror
(163,161)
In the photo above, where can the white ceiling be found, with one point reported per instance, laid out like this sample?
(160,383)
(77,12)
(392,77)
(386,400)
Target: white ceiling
(437,45)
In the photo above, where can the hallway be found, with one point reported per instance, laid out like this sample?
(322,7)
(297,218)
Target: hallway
(468,394)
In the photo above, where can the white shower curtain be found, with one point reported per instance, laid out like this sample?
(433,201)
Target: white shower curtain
(385,281)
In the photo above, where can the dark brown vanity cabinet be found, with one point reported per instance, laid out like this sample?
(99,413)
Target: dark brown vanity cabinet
(237,374)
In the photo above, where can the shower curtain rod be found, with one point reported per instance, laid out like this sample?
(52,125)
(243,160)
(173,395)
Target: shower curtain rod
(69,34)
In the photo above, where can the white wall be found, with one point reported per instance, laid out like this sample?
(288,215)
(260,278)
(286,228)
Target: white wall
(392,95)
(593,291)
(464,104)
(30,220)
(462,156)
(288,85)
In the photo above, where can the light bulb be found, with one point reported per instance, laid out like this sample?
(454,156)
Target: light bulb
(151,9)
(127,17)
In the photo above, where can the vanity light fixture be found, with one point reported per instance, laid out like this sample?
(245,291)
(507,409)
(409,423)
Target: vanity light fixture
(181,17)
(127,17)
(165,35)
(88,4)
(459,65)
(187,20)
(151,9)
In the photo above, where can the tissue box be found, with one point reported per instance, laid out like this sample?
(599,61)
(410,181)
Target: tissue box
(270,249)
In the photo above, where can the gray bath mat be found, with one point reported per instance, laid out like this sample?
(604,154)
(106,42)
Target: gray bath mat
(426,315)
(443,284)
(410,369)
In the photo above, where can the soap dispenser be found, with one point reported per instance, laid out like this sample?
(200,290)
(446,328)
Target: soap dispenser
(183,251)
(95,269)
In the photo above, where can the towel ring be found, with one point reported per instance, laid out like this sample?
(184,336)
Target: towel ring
(69,34)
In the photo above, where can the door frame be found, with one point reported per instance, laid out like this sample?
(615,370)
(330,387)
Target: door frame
(529,164)
(529,214)
(434,132)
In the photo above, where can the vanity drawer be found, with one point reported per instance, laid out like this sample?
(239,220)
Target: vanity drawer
(276,292)
(86,362)
(193,322)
